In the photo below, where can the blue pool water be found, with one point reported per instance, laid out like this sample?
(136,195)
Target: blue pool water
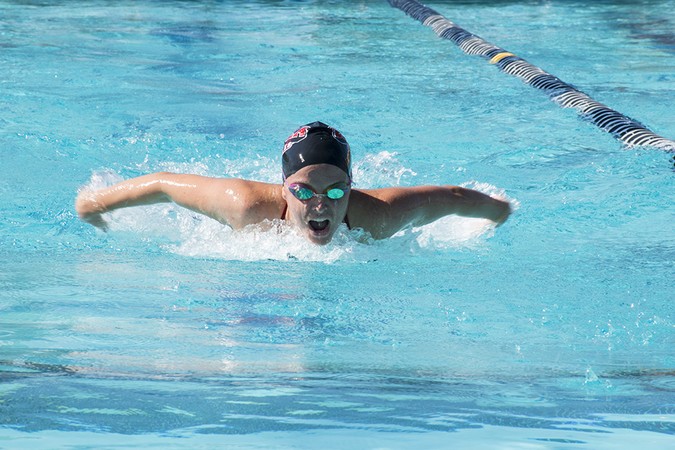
(555,331)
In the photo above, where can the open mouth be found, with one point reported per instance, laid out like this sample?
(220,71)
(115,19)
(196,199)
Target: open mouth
(319,225)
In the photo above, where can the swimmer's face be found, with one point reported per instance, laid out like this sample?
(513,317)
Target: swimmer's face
(318,217)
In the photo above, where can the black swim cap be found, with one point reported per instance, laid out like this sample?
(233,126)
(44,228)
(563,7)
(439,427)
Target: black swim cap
(315,143)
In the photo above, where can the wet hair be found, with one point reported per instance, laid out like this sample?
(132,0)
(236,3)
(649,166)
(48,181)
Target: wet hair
(315,143)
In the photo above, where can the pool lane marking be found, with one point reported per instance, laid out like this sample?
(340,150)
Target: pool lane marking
(631,132)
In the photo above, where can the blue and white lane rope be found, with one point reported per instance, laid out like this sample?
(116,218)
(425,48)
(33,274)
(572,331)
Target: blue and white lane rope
(627,130)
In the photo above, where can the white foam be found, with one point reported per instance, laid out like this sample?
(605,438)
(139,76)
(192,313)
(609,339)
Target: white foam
(271,240)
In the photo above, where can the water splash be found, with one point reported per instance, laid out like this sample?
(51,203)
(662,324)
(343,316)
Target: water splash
(270,240)
(381,169)
(591,377)
(593,381)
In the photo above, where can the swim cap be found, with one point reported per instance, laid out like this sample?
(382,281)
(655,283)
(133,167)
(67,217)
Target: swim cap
(315,143)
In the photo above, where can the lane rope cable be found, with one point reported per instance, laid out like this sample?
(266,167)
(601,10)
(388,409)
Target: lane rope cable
(625,129)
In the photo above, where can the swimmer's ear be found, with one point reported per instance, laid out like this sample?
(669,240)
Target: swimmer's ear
(283,192)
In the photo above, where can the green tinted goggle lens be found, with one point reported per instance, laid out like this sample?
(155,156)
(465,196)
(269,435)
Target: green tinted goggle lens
(303,192)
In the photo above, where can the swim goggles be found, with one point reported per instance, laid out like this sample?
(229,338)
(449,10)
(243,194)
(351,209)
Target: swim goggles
(304,193)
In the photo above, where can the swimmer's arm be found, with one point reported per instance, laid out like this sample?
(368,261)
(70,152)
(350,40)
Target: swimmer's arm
(393,209)
(223,199)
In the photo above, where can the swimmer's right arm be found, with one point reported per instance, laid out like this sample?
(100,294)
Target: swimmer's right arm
(218,198)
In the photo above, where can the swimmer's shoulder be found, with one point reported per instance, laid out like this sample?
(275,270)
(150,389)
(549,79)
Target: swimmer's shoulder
(369,210)
(249,202)
(260,201)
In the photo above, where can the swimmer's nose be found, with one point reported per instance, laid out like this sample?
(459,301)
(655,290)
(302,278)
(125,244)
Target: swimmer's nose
(319,203)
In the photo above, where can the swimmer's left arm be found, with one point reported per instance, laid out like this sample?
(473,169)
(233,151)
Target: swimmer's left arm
(440,201)
(387,211)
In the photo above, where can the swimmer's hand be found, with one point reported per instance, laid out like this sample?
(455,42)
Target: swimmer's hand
(90,211)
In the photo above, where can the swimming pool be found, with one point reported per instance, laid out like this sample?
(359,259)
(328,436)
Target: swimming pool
(554,331)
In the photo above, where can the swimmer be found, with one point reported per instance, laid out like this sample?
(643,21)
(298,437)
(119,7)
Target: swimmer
(315,197)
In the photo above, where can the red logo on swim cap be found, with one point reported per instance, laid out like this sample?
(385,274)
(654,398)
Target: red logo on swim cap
(297,136)
(337,135)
